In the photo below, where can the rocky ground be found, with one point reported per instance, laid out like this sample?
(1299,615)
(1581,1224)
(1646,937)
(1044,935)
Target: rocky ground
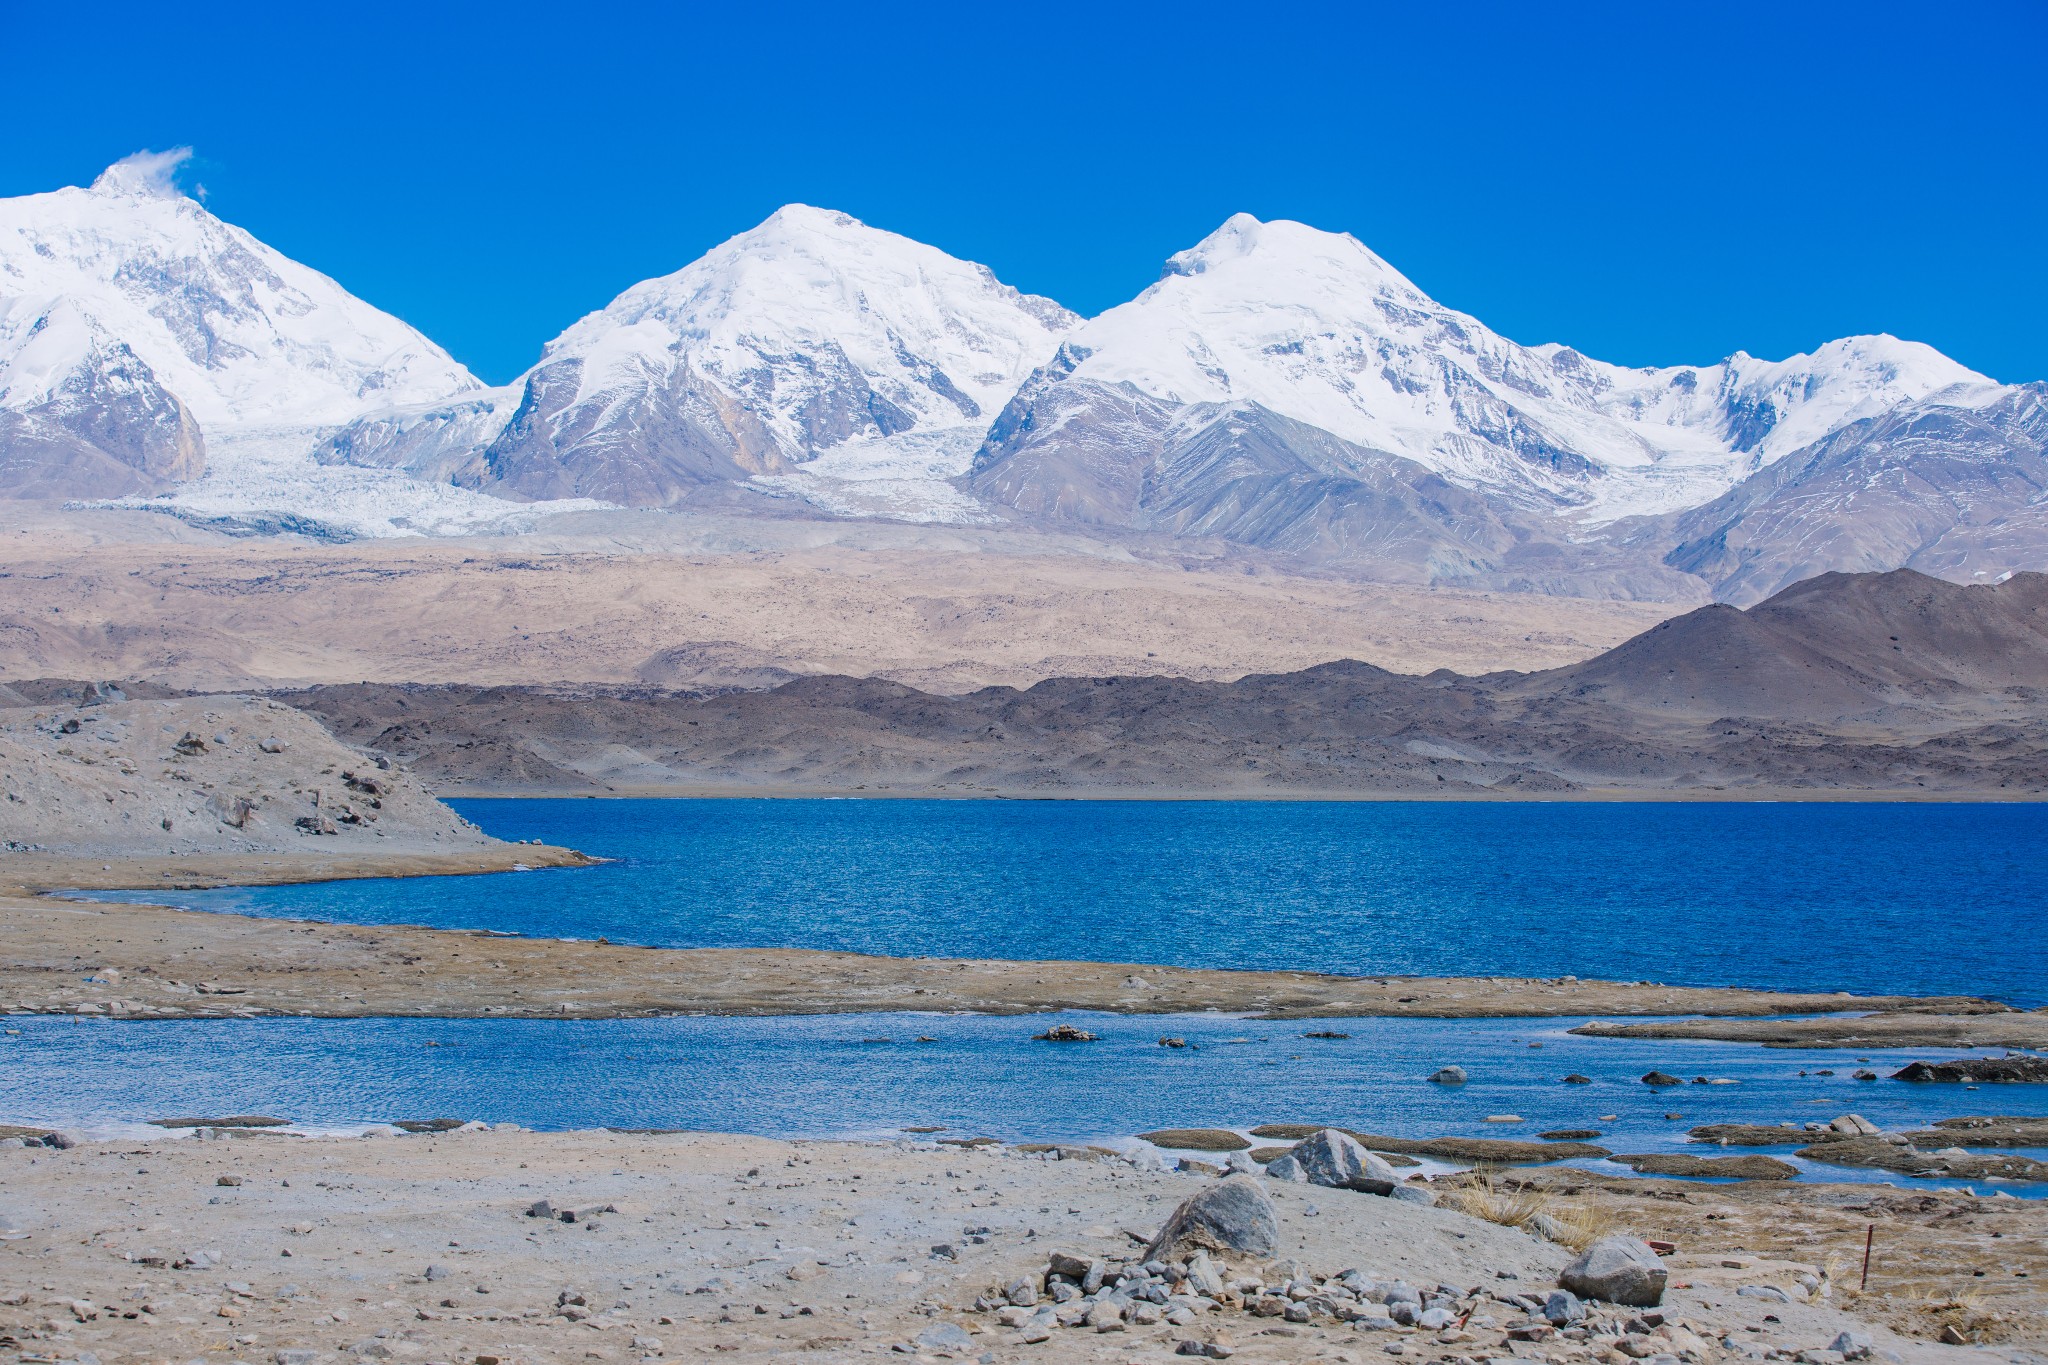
(206,775)
(237,1246)
(143,960)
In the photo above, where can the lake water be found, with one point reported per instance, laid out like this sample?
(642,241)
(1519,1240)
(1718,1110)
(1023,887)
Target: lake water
(1873,898)
(866,1076)
(1920,899)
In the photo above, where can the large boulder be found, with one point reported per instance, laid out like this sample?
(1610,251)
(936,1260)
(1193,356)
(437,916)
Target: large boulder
(1333,1159)
(1232,1217)
(1618,1270)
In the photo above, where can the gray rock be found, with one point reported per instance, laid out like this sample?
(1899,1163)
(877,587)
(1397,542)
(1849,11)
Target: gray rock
(437,1272)
(1232,1216)
(1450,1075)
(1022,1293)
(1240,1163)
(1852,1346)
(1617,1270)
(1769,1293)
(1562,1308)
(1286,1168)
(1435,1319)
(946,1338)
(1205,1277)
(294,1355)
(1146,1157)
(1338,1161)
(1414,1194)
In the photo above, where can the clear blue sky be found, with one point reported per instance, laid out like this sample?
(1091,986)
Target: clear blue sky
(1651,183)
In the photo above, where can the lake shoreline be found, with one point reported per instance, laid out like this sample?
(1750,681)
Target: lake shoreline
(150,961)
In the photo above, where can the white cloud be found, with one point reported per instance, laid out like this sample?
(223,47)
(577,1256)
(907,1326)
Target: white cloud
(152,174)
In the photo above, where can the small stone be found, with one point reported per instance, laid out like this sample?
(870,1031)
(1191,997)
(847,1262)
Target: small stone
(946,1338)
(1450,1075)
(1662,1078)
(294,1355)
(1562,1308)
(1021,1292)
(1064,1033)
(436,1272)
(1286,1168)
(228,1180)
(1852,1346)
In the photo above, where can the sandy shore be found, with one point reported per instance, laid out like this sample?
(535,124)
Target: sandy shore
(421,1248)
(149,961)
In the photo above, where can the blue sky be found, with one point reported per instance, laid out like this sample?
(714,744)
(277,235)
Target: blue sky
(1649,183)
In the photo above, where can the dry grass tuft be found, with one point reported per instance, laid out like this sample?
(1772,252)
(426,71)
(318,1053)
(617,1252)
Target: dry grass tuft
(1532,1206)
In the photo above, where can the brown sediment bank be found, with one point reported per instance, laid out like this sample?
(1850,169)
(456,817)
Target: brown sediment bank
(149,961)
(1887,1027)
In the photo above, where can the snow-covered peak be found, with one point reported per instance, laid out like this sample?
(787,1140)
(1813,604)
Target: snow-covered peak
(1287,252)
(239,332)
(771,312)
(1316,327)
(808,333)
(146,175)
(1765,409)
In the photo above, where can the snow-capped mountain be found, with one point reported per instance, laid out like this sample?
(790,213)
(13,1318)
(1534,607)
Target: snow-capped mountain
(1312,326)
(811,333)
(147,347)
(81,414)
(1954,485)
(242,334)
(1278,387)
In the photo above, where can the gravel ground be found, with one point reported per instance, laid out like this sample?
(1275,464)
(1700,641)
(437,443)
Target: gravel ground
(252,1248)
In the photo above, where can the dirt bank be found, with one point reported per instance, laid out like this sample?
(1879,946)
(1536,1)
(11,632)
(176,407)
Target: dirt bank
(157,955)
(1889,1029)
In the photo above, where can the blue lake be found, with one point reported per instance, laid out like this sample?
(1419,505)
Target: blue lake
(1920,899)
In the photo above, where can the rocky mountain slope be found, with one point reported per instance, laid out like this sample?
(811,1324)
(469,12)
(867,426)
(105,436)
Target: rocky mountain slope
(1893,682)
(1955,484)
(204,775)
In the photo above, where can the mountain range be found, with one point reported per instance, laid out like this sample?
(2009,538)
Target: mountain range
(1893,682)
(1280,392)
